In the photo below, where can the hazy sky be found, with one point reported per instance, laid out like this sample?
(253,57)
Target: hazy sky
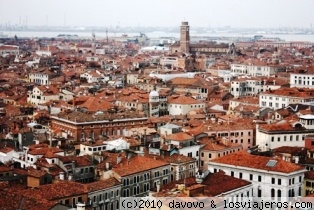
(213,13)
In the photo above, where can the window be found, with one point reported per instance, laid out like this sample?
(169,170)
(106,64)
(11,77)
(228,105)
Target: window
(202,154)
(251,176)
(259,193)
(272,192)
(209,155)
(279,194)
(259,178)
(273,181)
(279,181)
(300,179)
(308,184)
(232,174)
(240,175)
(272,139)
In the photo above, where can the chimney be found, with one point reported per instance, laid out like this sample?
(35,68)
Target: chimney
(107,166)
(169,146)
(158,186)
(119,158)
(224,141)
(80,206)
(73,101)
(61,175)
(296,159)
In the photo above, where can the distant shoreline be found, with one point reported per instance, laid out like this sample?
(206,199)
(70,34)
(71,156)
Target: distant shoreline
(157,34)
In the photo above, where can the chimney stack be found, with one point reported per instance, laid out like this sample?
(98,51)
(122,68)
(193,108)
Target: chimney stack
(61,175)
(158,186)
(119,159)
(80,206)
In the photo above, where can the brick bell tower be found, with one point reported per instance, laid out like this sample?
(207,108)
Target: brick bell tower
(185,37)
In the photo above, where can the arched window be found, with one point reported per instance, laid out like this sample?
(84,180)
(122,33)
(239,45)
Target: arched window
(279,195)
(272,192)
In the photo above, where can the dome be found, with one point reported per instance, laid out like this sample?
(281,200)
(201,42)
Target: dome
(153,93)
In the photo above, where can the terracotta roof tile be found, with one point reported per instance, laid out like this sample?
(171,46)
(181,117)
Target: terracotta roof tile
(102,184)
(245,159)
(181,136)
(137,164)
(183,100)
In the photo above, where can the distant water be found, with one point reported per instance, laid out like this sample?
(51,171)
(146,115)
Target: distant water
(157,34)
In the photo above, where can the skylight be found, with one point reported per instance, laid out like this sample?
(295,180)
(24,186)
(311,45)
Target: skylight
(271,163)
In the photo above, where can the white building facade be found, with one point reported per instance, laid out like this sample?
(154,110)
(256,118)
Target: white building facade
(268,178)
(300,80)
(284,133)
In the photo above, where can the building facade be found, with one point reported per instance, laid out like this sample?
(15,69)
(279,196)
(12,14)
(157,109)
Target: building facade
(272,178)
(81,125)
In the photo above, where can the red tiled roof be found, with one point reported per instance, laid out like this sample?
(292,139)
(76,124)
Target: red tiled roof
(6,150)
(181,136)
(102,184)
(137,164)
(4,168)
(309,175)
(177,159)
(218,183)
(56,190)
(35,173)
(245,159)
(183,100)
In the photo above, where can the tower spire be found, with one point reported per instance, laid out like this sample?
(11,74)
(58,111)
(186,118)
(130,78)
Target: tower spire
(185,37)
